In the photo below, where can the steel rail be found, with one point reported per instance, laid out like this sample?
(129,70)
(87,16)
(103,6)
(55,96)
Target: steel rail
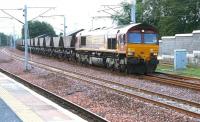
(173,81)
(82,112)
(179,76)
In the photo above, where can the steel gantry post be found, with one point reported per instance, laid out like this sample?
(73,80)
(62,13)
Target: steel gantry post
(64,26)
(25,38)
(133,20)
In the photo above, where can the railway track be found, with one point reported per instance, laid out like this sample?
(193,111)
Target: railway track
(180,81)
(85,114)
(184,106)
(179,77)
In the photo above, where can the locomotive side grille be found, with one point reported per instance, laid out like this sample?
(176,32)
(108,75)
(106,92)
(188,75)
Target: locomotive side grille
(83,41)
(112,43)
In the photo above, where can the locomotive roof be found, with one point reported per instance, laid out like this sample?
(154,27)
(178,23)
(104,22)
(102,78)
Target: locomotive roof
(110,31)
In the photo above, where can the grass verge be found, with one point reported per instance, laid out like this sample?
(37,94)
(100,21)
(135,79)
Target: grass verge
(190,71)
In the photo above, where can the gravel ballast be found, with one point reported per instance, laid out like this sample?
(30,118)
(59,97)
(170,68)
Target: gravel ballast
(104,102)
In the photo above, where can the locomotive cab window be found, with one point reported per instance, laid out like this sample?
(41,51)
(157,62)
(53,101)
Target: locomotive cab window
(83,41)
(150,38)
(134,38)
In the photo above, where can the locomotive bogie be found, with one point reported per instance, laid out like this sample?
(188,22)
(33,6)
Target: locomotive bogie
(96,61)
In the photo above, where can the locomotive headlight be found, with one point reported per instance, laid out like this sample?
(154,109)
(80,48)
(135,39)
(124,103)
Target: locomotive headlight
(155,54)
(131,52)
(151,50)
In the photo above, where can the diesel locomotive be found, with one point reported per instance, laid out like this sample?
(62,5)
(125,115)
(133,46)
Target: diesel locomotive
(129,48)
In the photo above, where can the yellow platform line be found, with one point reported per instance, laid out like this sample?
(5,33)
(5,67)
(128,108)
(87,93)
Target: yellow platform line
(22,111)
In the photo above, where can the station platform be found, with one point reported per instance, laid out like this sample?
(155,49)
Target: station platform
(20,104)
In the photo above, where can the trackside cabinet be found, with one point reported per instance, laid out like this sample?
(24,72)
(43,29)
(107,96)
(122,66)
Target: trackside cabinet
(180,59)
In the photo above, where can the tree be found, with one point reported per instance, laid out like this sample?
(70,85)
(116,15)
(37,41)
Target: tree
(37,28)
(173,16)
(169,16)
(4,39)
(124,17)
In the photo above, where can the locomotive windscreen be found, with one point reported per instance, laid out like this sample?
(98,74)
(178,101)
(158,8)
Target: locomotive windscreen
(147,38)
(150,38)
(134,38)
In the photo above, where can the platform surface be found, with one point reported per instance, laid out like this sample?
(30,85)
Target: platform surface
(18,103)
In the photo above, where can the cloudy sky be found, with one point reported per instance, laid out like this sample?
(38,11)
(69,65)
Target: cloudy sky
(78,13)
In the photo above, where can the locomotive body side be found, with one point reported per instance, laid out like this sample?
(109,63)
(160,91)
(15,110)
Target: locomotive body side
(93,41)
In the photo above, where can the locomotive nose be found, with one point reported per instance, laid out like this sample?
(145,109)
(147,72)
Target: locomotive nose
(142,51)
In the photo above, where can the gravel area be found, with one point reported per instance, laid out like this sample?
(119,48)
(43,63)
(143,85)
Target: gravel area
(171,90)
(106,103)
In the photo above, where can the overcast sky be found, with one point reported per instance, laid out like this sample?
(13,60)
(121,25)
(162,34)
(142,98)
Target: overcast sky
(78,13)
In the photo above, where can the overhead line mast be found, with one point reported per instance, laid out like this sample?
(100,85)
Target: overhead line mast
(25,23)
(133,11)
(26,32)
(25,37)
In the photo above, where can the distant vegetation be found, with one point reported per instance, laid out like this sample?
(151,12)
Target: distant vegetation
(4,39)
(169,16)
(37,28)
